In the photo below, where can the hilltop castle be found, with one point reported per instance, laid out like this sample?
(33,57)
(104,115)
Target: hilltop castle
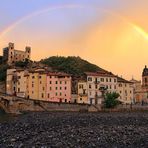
(11,55)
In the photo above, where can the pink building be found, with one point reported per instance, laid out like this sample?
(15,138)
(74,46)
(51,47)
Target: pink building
(58,87)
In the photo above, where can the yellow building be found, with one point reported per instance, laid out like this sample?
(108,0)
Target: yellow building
(82,92)
(37,85)
(125,90)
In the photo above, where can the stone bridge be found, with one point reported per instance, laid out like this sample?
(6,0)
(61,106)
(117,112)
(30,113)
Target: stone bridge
(16,105)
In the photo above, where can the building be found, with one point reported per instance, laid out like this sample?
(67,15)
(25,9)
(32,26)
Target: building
(58,87)
(39,84)
(11,55)
(82,92)
(125,90)
(17,82)
(145,84)
(138,92)
(98,84)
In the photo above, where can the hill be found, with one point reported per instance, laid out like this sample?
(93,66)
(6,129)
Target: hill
(71,65)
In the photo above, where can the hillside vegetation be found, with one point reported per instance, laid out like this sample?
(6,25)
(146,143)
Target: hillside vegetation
(72,65)
(3,70)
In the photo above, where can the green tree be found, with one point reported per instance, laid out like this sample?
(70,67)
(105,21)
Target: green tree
(111,100)
(3,71)
(22,64)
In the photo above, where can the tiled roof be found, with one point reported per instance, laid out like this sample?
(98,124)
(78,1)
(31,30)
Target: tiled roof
(121,80)
(101,73)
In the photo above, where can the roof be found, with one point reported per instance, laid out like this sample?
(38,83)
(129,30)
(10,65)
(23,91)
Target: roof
(121,80)
(134,81)
(57,74)
(101,73)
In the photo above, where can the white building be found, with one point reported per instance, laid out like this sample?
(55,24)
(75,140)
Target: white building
(99,83)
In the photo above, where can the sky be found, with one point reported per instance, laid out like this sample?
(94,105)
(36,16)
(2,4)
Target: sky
(112,34)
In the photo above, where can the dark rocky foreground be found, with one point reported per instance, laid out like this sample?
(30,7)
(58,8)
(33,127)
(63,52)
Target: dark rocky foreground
(79,130)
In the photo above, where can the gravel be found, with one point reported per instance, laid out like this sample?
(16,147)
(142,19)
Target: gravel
(75,130)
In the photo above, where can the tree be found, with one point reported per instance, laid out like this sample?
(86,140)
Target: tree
(22,64)
(111,100)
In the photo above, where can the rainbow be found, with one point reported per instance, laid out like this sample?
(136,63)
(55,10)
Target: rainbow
(12,26)
(137,28)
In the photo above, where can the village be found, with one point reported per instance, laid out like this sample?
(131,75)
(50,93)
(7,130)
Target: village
(39,82)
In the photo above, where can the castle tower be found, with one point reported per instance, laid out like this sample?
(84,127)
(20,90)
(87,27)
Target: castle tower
(145,78)
(27,52)
(10,53)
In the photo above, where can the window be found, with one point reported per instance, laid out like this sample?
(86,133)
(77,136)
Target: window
(110,87)
(60,82)
(50,88)
(60,94)
(50,76)
(115,80)
(90,86)
(80,99)
(96,86)
(89,79)
(56,82)
(120,92)
(40,82)
(32,92)
(50,82)
(60,88)
(65,88)
(42,95)
(65,95)
(40,77)
(32,85)
(120,85)
(106,79)
(56,88)
(19,77)
(110,79)
(125,85)
(56,93)
(43,88)
(115,87)
(18,89)
(48,95)
(145,80)
(102,79)
(33,77)
(90,93)
(18,83)
(80,86)
(65,82)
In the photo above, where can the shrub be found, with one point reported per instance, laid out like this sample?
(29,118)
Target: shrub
(111,100)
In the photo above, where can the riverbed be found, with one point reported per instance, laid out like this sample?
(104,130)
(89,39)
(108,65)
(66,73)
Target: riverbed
(75,130)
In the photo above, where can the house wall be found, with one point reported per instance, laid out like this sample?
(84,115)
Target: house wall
(58,88)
